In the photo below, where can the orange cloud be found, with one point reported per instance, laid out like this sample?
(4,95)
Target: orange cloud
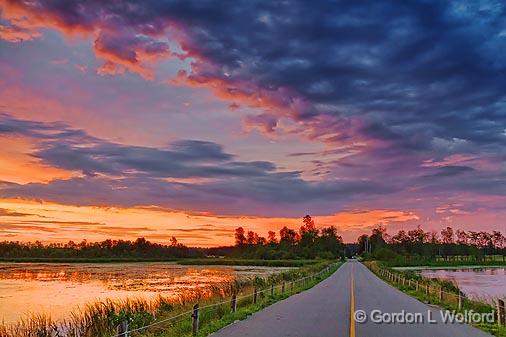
(120,51)
(17,34)
(56,222)
(17,165)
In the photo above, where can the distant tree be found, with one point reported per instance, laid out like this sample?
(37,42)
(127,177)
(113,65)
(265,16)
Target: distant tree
(362,239)
(271,237)
(288,235)
(378,237)
(498,240)
(252,238)
(329,244)
(462,237)
(261,240)
(433,237)
(447,236)
(240,239)
(308,232)
(417,235)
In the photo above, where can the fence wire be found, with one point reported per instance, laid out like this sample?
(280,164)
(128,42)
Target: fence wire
(214,305)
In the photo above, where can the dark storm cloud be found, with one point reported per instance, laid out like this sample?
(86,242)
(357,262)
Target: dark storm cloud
(408,71)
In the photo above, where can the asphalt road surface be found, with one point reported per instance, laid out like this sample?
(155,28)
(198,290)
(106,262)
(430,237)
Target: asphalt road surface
(326,310)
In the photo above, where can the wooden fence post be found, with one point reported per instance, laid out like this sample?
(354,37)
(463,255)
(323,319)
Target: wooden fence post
(441,293)
(416,286)
(460,300)
(122,329)
(427,289)
(272,289)
(255,295)
(195,319)
(500,313)
(233,303)
(283,288)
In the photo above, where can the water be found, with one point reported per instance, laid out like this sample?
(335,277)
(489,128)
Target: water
(478,283)
(57,288)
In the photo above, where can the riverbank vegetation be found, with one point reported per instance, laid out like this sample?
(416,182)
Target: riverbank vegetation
(101,318)
(449,248)
(442,293)
(104,251)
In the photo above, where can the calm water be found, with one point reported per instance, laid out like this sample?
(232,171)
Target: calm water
(482,283)
(57,288)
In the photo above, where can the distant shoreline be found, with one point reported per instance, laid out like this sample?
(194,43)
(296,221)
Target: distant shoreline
(181,261)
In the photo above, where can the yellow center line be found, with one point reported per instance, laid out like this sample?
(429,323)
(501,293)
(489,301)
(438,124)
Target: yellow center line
(352,305)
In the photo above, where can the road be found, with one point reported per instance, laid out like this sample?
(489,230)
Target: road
(326,311)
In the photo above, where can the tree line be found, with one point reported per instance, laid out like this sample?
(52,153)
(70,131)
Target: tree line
(417,242)
(307,242)
(139,249)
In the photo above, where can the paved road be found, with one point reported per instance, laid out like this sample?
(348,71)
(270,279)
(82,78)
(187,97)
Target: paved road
(325,311)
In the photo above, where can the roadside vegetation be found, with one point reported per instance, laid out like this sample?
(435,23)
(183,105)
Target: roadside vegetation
(101,318)
(441,293)
(448,248)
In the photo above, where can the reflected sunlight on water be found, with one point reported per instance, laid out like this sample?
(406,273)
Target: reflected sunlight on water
(56,288)
(478,283)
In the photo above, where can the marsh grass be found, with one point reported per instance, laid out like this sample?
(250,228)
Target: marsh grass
(450,298)
(99,319)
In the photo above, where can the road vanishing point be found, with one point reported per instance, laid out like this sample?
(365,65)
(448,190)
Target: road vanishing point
(328,310)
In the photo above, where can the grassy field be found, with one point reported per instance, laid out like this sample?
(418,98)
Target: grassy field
(99,319)
(407,282)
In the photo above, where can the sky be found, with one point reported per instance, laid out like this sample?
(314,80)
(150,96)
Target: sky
(190,118)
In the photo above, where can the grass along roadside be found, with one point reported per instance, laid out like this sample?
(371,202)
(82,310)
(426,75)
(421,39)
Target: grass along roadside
(215,318)
(101,318)
(441,293)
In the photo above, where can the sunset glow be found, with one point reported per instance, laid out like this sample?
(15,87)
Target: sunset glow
(127,120)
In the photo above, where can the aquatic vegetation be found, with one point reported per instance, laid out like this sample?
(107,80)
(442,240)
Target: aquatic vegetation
(100,318)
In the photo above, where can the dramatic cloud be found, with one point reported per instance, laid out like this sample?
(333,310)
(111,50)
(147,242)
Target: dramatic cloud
(189,174)
(407,97)
(388,73)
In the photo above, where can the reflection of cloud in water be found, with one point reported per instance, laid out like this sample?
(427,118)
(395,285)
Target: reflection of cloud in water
(477,283)
(54,288)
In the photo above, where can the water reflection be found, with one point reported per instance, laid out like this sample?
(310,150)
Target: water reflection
(479,283)
(55,288)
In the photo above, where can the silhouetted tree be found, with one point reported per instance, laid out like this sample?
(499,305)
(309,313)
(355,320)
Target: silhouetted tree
(240,239)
